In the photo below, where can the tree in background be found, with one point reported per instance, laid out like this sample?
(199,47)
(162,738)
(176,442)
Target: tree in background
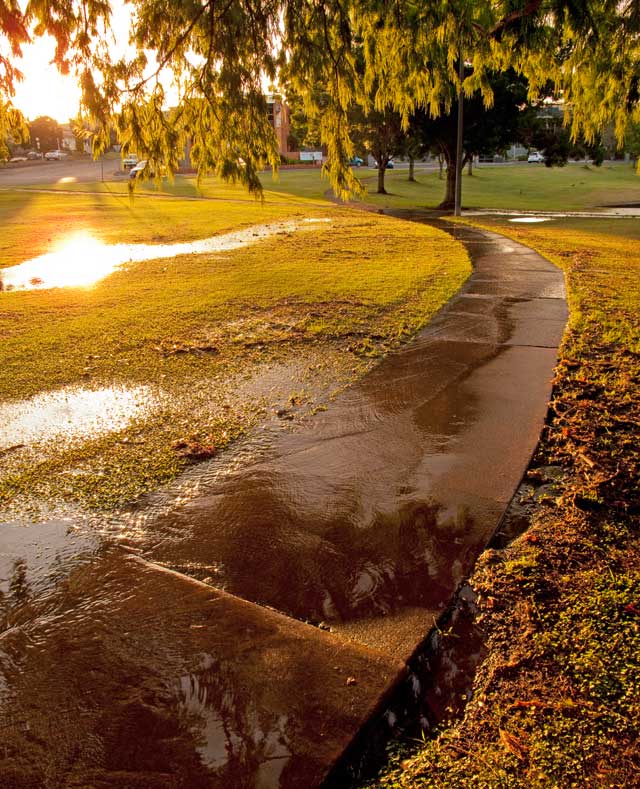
(632,141)
(486,131)
(413,147)
(380,134)
(45,133)
(219,55)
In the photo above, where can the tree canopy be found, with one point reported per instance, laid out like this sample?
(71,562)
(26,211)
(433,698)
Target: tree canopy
(45,133)
(486,130)
(220,55)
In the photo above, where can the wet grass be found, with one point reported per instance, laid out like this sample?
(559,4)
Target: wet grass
(557,700)
(197,329)
(35,222)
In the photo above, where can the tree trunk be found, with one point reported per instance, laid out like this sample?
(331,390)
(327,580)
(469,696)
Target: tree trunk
(411,167)
(440,165)
(450,194)
(381,171)
(470,166)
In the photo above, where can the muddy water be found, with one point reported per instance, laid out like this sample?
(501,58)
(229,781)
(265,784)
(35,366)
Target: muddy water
(70,413)
(84,260)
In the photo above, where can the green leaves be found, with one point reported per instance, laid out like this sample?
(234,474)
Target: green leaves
(198,68)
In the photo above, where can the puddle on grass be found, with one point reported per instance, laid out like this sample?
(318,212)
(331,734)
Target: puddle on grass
(69,413)
(530,220)
(83,260)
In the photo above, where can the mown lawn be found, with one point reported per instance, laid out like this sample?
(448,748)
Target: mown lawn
(557,699)
(518,187)
(335,294)
(35,222)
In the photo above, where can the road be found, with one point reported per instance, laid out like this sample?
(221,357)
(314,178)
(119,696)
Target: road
(68,171)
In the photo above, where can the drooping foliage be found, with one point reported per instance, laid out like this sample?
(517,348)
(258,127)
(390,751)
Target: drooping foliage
(218,57)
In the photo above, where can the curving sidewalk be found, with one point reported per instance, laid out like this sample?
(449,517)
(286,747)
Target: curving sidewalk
(363,521)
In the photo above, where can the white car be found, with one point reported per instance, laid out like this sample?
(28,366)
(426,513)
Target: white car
(55,155)
(137,169)
(535,156)
(129,161)
(134,172)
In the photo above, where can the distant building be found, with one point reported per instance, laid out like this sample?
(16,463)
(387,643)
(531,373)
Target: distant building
(68,140)
(278,112)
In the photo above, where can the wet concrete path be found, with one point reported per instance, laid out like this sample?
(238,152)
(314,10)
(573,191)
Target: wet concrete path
(364,521)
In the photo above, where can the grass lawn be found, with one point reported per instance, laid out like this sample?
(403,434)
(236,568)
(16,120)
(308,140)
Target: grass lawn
(518,187)
(194,331)
(557,699)
(35,222)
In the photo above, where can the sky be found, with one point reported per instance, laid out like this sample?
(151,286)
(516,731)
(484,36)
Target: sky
(44,91)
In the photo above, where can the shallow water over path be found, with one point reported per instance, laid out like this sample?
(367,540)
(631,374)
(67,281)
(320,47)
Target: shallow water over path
(363,520)
(368,518)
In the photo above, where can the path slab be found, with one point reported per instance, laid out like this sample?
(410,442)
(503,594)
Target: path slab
(369,516)
(131,675)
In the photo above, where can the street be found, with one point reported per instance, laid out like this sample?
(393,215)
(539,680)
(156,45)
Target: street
(66,171)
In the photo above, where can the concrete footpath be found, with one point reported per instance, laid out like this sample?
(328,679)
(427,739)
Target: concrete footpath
(332,553)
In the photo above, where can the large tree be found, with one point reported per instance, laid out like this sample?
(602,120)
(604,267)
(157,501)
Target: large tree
(486,130)
(220,53)
(45,133)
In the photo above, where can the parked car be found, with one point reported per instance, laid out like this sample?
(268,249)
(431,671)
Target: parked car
(32,155)
(137,169)
(535,156)
(390,165)
(55,155)
(356,162)
(129,161)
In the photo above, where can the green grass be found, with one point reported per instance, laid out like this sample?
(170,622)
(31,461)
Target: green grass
(518,186)
(36,222)
(194,327)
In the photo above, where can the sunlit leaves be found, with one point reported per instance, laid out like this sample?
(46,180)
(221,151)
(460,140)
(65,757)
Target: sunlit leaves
(200,67)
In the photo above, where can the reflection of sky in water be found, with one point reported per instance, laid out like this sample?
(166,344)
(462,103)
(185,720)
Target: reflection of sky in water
(83,260)
(69,413)
(230,729)
(42,552)
(530,220)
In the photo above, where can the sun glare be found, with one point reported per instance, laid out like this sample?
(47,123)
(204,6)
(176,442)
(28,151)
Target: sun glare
(80,261)
(44,91)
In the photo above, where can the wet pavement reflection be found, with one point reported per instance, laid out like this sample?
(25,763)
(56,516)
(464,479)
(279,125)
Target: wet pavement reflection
(131,676)
(367,519)
(364,520)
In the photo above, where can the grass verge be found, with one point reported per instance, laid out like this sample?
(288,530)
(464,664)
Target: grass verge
(203,334)
(556,701)
(519,186)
